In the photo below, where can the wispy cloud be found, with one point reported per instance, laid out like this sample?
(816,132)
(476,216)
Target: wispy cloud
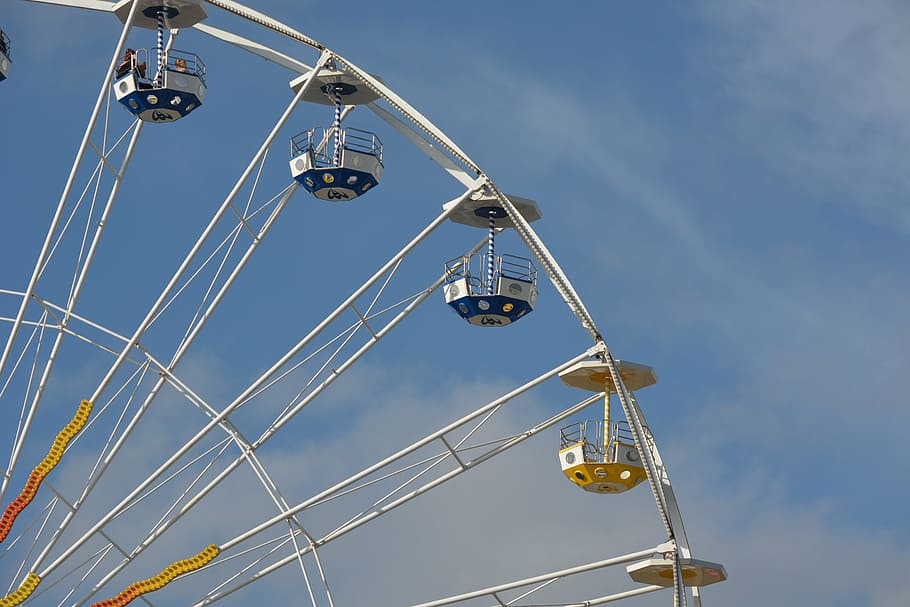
(822,92)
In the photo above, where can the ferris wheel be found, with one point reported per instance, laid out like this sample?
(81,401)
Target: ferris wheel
(134,474)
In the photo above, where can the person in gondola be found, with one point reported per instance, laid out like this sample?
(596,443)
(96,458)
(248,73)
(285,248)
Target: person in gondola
(129,63)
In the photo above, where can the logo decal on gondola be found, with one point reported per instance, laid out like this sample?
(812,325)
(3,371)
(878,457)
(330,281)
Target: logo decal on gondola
(334,194)
(490,321)
(159,116)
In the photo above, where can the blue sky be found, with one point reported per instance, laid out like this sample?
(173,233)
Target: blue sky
(721,181)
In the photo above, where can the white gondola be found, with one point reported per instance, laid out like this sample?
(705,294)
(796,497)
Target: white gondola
(340,171)
(4,55)
(178,90)
(510,294)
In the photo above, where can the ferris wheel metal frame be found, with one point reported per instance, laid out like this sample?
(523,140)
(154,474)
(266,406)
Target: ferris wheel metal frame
(321,356)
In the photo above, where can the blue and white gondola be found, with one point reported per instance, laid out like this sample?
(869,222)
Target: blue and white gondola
(179,90)
(490,290)
(174,84)
(512,294)
(336,163)
(352,171)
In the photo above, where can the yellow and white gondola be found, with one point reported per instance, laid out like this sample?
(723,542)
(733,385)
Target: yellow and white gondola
(600,456)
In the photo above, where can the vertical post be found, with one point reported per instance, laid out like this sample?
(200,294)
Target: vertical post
(608,457)
(336,128)
(162,60)
(491,253)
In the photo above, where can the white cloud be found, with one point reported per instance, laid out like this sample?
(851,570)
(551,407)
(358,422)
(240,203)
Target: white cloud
(773,547)
(822,92)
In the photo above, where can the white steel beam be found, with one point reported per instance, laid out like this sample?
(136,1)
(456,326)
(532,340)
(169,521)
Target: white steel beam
(618,560)
(421,143)
(93,5)
(260,50)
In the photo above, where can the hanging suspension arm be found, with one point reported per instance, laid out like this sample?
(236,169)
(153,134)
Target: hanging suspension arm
(491,254)
(336,126)
(606,446)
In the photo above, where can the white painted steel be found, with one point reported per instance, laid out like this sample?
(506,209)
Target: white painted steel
(260,50)
(94,5)
(431,151)
(555,575)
